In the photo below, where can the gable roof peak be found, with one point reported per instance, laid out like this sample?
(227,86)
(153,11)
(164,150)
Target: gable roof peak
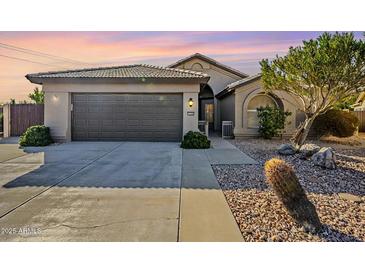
(210,61)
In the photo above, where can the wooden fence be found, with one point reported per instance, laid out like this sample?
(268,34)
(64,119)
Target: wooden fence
(18,117)
(361,116)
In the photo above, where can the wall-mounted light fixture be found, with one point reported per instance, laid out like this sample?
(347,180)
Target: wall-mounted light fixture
(191,102)
(55,98)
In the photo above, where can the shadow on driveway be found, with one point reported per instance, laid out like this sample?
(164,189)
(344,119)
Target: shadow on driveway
(109,165)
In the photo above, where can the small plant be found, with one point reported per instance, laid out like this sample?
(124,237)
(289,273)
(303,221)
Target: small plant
(271,121)
(335,122)
(37,96)
(285,184)
(36,136)
(347,103)
(195,140)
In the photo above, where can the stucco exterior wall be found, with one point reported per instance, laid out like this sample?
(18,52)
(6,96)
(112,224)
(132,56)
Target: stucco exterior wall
(190,116)
(87,86)
(227,108)
(219,79)
(57,115)
(244,94)
(6,120)
(57,110)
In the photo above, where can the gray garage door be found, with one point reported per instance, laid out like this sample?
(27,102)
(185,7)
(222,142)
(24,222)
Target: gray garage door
(129,117)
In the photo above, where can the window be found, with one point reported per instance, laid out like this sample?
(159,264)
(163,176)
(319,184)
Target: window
(256,102)
(209,111)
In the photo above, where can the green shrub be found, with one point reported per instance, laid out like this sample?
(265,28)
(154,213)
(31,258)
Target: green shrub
(195,140)
(347,103)
(335,122)
(271,121)
(36,136)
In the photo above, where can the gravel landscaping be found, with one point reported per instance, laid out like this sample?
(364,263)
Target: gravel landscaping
(261,216)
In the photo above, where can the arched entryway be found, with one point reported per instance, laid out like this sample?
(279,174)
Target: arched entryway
(206,105)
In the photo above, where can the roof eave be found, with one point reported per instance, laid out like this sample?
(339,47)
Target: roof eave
(224,93)
(34,80)
(42,80)
(230,90)
(258,76)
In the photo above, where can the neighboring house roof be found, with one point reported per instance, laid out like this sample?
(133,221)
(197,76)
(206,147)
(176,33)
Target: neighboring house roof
(233,86)
(210,61)
(140,71)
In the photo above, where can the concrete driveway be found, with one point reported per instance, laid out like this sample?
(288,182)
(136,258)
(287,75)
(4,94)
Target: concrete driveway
(90,191)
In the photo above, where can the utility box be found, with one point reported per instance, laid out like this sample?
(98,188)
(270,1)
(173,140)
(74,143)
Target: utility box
(227,130)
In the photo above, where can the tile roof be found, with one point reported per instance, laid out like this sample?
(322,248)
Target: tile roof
(126,72)
(243,81)
(211,61)
(231,87)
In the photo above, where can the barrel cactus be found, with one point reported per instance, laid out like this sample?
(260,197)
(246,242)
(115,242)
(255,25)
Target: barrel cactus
(282,178)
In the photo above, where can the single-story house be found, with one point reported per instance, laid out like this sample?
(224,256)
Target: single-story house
(151,103)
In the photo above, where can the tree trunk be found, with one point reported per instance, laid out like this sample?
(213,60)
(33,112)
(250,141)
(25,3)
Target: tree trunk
(302,132)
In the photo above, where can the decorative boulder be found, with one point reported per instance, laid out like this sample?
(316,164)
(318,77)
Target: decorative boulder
(287,149)
(307,150)
(325,157)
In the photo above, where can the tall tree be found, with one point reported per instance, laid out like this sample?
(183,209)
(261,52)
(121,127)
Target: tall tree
(37,96)
(322,73)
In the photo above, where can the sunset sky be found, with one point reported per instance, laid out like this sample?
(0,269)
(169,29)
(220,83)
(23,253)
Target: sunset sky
(71,50)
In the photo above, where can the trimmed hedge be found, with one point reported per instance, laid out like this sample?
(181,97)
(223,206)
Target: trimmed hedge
(335,122)
(195,140)
(36,136)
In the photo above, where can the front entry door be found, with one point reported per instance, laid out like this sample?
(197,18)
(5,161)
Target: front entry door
(207,111)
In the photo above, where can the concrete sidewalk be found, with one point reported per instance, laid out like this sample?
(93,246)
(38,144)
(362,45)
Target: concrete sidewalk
(224,153)
(10,151)
(204,212)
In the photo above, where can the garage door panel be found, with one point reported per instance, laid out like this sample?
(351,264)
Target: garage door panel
(79,97)
(80,122)
(130,117)
(80,135)
(120,109)
(120,123)
(112,135)
(93,134)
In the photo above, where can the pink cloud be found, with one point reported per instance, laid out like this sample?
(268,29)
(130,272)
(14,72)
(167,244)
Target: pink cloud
(111,48)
